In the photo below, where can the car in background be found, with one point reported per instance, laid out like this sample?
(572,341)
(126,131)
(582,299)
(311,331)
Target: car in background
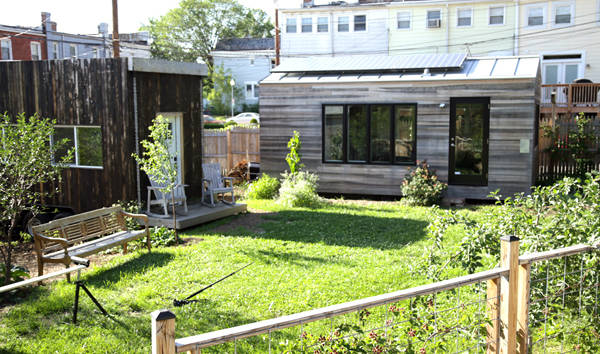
(245,118)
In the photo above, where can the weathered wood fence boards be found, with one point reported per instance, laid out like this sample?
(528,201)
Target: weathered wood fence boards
(228,147)
(554,159)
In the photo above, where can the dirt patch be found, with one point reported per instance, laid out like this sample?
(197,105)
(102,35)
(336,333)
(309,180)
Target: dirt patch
(250,220)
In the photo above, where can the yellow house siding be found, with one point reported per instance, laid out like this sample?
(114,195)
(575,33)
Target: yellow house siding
(480,38)
(582,36)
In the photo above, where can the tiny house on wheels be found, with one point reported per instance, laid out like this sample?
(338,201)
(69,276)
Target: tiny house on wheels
(105,108)
(365,120)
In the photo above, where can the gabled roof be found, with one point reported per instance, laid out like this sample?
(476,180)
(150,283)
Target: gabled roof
(480,68)
(245,44)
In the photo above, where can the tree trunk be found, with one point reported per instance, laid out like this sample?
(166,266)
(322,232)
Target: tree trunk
(8,256)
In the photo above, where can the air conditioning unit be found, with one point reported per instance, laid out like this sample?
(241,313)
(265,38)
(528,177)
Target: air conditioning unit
(434,23)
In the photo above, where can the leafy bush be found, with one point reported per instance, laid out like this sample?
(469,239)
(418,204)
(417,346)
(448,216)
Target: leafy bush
(266,187)
(253,121)
(299,190)
(17,273)
(230,124)
(250,107)
(293,157)
(214,126)
(421,186)
(162,237)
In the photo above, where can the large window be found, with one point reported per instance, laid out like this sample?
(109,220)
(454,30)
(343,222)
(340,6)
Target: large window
(5,49)
(360,23)
(343,24)
(464,17)
(496,15)
(403,19)
(369,133)
(563,13)
(323,24)
(290,25)
(86,143)
(434,18)
(306,24)
(535,16)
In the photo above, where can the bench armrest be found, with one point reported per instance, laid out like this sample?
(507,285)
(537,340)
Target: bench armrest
(142,217)
(61,241)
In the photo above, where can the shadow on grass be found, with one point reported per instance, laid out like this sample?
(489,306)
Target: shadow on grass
(142,262)
(270,257)
(388,231)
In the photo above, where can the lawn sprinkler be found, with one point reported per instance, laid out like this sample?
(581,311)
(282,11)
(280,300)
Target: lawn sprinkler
(187,300)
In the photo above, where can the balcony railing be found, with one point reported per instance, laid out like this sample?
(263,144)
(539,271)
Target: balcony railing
(572,97)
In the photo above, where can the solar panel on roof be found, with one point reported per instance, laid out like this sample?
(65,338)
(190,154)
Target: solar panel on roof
(365,63)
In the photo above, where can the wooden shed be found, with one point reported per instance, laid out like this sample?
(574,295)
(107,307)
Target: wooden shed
(105,107)
(365,120)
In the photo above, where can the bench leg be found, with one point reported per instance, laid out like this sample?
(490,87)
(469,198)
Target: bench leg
(124,248)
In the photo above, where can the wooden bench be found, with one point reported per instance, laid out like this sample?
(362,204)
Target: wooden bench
(68,239)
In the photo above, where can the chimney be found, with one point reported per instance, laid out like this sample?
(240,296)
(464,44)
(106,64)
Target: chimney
(45,20)
(307,3)
(51,26)
(103,29)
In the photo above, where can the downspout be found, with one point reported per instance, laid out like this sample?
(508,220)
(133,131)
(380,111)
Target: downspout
(517,21)
(447,29)
(137,141)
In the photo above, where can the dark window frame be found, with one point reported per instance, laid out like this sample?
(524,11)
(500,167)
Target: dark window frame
(408,162)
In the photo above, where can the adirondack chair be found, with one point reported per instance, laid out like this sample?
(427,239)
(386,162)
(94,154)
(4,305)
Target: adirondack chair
(213,183)
(164,199)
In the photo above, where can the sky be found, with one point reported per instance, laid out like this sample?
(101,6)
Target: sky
(83,16)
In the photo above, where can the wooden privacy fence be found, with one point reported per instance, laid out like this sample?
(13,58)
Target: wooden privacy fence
(228,147)
(515,308)
(554,156)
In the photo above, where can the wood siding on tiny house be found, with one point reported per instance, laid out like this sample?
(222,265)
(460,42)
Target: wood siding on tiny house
(99,92)
(287,107)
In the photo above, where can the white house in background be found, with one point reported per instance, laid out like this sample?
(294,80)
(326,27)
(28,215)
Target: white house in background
(249,60)
(336,29)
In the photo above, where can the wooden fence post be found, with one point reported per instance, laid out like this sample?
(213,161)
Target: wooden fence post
(229,155)
(163,332)
(493,310)
(523,308)
(509,258)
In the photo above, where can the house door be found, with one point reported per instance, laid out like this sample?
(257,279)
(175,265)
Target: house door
(175,145)
(559,73)
(469,138)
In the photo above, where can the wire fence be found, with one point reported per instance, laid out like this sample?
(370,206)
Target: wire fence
(539,302)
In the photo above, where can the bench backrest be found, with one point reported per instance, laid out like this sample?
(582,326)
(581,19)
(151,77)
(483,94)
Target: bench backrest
(212,172)
(81,227)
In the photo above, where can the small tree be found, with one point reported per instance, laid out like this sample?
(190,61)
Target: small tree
(26,160)
(293,157)
(158,162)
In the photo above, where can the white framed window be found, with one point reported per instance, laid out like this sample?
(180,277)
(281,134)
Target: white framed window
(403,20)
(36,50)
(73,51)
(54,50)
(290,25)
(497,14)
(536,16)
(85,141)
(306,24)
(464,17)
(360,23)
(6,49)
(434,19)
(563,13)
(252,90)
(323,24)
(343,24)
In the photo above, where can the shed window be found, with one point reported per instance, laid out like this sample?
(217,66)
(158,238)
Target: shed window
(307,24)
(497,15)
(535,16)
(369,133)
(464,17)
(343,24)
(360,23)
(322,24)
(290,25)
(403,19)
(86,143)
(5,49)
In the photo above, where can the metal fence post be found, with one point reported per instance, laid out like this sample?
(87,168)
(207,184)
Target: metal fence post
(163,332)
(509,258)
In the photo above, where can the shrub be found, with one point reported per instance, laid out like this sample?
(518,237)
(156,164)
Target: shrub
(213,126)
(230,124)
(162,237)
(266,187)
(299,190)
(421,186)
(17,273)
(253,121)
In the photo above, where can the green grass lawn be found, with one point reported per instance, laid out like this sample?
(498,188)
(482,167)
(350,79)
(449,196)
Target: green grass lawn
(303,259)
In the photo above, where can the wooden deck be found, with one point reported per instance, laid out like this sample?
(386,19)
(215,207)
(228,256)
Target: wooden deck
(571,98)
(197,214)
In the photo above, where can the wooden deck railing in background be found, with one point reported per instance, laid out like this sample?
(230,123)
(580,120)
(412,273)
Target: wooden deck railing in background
(572,97)
(228,147)
(507,306)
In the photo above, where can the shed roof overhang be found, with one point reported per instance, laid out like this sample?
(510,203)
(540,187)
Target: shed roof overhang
(167,67)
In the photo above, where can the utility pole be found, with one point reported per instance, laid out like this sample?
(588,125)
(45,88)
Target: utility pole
(116,45)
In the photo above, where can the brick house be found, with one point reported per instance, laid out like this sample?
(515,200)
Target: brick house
(22,43)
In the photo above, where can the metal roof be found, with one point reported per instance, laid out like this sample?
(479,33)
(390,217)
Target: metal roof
(484,68)
(167,67)
(364,63)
